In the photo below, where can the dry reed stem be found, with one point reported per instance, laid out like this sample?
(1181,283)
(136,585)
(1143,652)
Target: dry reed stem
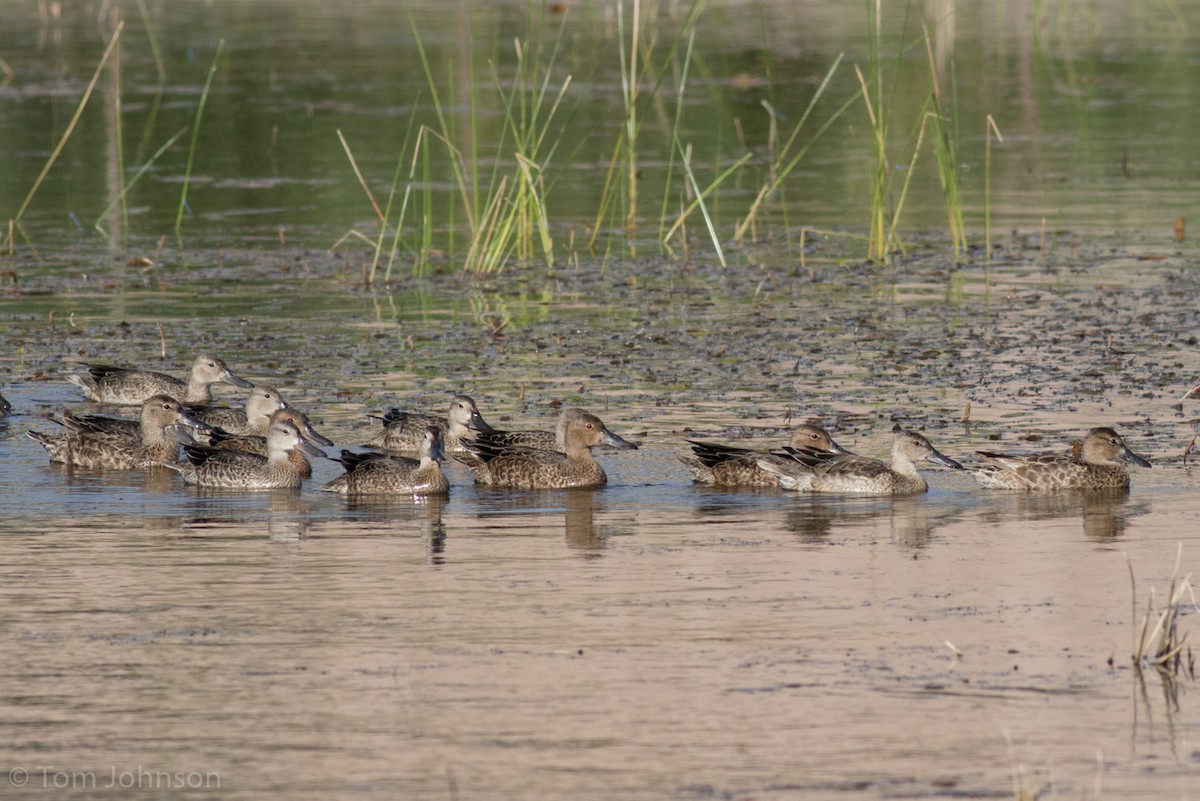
(1161,644)
(112,43)
(357,172)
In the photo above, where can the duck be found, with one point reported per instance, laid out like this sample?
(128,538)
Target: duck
(245,420)
(257,443)
(225,469)
(521,438)
(92,445)
(251,420)
(810,470)
(541,468)
(404,431)
(129,386)
(1094,465)
(382,474)
(729,466)
(5,407)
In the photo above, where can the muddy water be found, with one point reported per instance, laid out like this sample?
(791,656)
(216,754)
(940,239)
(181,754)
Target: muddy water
(649,640)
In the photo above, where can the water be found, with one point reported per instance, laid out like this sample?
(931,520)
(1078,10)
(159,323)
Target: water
(644,642)
(649,640)
(1094,109)
(652,639)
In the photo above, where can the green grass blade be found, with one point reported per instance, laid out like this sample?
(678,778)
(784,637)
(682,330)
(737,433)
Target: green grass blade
(137,176)
(712,231)
(187,174)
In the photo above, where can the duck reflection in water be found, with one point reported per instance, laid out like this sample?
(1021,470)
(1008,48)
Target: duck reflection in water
(1104,513)
(397,515)
(910,519)
(586,520)
(286,516)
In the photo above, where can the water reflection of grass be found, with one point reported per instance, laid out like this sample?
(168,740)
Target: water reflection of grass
(478,168)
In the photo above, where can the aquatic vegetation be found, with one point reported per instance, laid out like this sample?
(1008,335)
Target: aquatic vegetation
(510,218)
(783,162)
(624,167)
(530,145)
(945,144)
(1158,642)
(880,242)
(120,198)
(987,183)
(191,156)
(83,101)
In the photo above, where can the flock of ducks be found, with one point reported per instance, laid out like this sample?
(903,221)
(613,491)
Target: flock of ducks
(266,445)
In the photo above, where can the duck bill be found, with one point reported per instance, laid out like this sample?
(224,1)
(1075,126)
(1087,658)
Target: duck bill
(838,449)
(311,450)
(479,424)
(230,378)
(310,435)
(945,461)
(181,434)
(1130,456)
(186,419)
(617,442)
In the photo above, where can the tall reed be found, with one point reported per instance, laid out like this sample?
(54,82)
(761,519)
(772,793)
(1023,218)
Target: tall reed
(159,65)
(629,94)
(510,217)
(681,91)
(530,110)
(635,67)
(187,173)
(387,212)
(465,187)
(1158,642)
(87,93)
(137,176)
(987,183)
(779,169)
(945,143)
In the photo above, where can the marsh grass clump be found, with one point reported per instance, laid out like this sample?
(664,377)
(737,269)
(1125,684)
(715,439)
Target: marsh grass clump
(507,216)
(493,154)
(880,100)
(1158,642)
